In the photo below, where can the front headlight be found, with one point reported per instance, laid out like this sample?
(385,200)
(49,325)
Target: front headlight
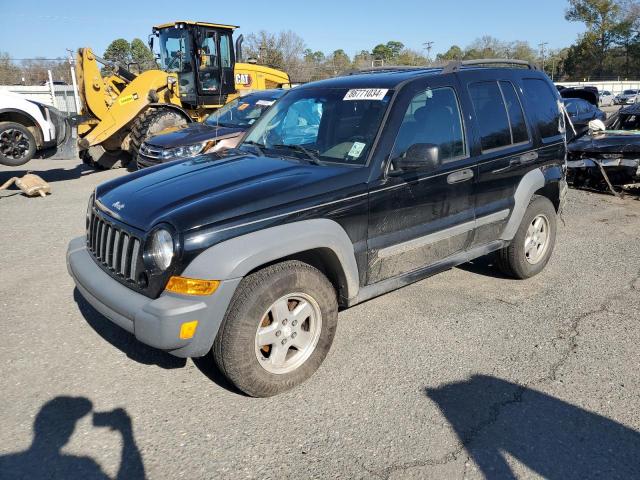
(183,152)
(161,249)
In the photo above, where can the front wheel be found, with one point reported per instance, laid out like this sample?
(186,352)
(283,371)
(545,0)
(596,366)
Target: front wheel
(17,144)
(278,329)
(531,248)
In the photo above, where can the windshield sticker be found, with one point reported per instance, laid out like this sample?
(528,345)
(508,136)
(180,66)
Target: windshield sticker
(366,94)
(243,106)
(265,103)
(356,149)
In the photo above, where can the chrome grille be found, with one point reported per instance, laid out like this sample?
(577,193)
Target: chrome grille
(150,151)
(114,248)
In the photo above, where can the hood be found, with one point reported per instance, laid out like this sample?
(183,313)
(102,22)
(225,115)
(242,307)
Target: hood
(608,142)
(214,188)
(183,135)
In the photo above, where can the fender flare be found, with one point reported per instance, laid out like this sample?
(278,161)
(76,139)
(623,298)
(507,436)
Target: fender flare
(38,125)
(236,257)
(528,186)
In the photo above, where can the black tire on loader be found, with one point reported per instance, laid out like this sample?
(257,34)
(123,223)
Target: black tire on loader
(151,122)
(98,157)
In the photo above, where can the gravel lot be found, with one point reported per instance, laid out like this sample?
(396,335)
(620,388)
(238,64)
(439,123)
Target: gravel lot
(466,374)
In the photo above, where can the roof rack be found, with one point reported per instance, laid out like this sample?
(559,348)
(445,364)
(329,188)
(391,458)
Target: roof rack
(458,64)
(398,68)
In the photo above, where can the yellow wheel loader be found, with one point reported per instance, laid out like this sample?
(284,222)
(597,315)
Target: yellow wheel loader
(198,74)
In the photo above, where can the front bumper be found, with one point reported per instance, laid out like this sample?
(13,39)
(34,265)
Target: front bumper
(154,322)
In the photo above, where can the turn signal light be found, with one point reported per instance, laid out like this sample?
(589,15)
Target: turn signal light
(188,330)
(191,286)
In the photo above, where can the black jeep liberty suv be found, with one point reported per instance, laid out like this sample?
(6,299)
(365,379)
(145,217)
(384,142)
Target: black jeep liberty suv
(343,190)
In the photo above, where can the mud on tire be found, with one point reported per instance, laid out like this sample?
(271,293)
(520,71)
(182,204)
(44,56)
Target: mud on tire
(236,349)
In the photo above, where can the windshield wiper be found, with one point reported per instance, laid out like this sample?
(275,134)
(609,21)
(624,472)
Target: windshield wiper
(310,154)
(258,146)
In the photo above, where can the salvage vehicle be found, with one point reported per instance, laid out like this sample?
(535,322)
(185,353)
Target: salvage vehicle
(222,129)
(582,106)
(200,72)
(628,97)
(607,158)
(27,127)
(249,255)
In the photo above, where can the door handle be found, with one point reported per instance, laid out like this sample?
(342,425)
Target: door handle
(460,176)
(525,158)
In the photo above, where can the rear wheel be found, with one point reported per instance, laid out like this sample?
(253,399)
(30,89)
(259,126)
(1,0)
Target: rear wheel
(278,329)
(151,122)
(17,144)
(531,248)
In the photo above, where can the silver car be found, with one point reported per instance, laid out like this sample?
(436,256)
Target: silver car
(628,97)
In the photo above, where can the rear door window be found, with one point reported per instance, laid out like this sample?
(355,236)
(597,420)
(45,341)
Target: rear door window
(518,123)
(499,114)
(544,107)
(491,115)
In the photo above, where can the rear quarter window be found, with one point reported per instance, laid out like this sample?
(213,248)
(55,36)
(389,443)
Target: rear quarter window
(543,106)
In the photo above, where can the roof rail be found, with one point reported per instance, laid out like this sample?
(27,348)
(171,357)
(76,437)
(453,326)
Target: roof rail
(398,68)
(458,64)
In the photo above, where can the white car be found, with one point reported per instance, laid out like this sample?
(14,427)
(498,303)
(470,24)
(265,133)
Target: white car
(628,97)
(607,98)
(27,126)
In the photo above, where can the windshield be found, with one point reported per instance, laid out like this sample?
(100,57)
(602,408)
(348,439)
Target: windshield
(630,122)
(242,112)
(174,50)
(325,124)
(630,92)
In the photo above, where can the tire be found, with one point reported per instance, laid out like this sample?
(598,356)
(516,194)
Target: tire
(17,144)
(100,158)
(151,122)
(515,260)
(236,351)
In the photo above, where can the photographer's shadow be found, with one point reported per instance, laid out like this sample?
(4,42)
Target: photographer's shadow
(555,439)
(123,340)
(52,429)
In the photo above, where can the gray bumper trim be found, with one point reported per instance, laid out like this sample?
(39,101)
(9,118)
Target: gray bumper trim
(153,322)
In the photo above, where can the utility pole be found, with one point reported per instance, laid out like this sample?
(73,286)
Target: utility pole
(428,46)
(542,52)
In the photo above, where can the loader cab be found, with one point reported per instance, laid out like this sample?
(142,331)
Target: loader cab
(202,57)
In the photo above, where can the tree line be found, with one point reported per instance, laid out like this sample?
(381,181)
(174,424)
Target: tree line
(609,48)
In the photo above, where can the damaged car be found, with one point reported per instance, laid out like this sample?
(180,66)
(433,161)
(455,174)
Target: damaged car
(609,155)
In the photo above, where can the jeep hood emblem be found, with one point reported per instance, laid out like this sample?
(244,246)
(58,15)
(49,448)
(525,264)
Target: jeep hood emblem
(118,205)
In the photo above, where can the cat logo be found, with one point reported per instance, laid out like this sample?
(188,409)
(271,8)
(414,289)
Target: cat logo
(243,79)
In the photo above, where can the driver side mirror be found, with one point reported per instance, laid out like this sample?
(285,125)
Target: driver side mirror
(420,156)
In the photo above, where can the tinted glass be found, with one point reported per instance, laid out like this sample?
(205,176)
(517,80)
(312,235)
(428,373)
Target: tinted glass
(433,117)
(329,123)
(516,115)
(491,115)
(242,112)
(544,106)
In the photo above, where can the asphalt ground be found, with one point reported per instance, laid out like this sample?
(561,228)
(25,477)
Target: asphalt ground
(464,375)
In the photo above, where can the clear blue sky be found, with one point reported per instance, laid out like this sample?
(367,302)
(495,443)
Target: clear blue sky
(31,28)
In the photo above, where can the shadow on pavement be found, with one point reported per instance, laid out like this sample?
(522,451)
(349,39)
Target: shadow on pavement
(51,175)
(207,366)
(123,340)
(52,429)
(485,266)
(555,439)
